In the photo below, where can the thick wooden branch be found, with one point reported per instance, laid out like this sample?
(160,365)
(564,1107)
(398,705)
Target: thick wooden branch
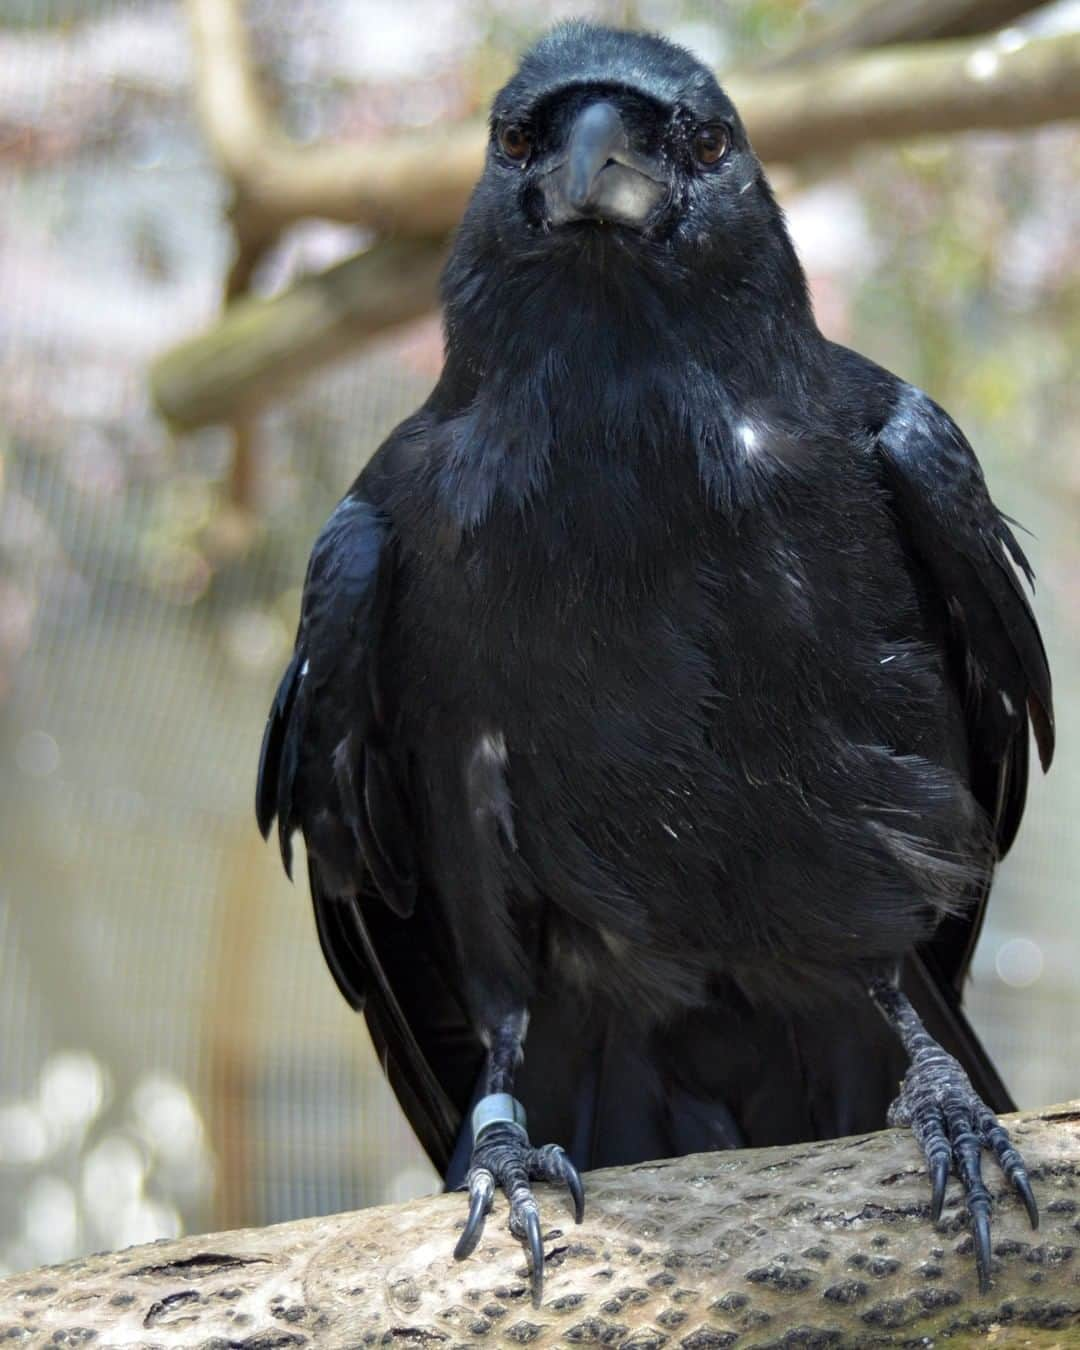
(811,1245)
(900,92)
(261,348)
(417,184)
(408,184)
(888,22)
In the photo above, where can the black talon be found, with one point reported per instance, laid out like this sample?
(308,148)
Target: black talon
(536,1252)
(577,1190)
(980,1233)
(940,1167)
(952,1125)
(968,1148)
(553,1164)
(480,1193)
(1010,1162)
(504,1158)
(930,1132)
(1020,1181)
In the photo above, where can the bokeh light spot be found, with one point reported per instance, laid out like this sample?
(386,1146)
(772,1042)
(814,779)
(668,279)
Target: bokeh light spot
(37,754)
(1019,962)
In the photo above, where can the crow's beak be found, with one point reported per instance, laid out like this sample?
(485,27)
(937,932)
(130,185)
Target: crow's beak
(599,177)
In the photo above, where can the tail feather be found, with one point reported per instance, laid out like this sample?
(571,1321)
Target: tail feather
(359,965)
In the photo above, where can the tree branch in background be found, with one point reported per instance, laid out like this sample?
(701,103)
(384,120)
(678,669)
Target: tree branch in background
(825,1244)
(261,347)
(250,249)
(822,110)
(418,185)
(893,21)
(403,184)
(901,92)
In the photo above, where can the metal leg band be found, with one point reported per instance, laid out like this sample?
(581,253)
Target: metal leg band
(498,1108)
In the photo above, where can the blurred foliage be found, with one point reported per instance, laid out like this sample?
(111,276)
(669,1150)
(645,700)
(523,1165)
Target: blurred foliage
(976,284)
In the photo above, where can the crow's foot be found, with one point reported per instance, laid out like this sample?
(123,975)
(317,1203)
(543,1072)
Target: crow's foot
(502,1156)
(953,1125)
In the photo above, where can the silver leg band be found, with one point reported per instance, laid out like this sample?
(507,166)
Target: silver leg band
(499,1108)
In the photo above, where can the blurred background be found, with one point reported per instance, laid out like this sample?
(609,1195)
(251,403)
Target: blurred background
(174,1054)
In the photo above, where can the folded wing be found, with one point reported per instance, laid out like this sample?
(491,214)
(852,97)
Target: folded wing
(973,562)
(328,769)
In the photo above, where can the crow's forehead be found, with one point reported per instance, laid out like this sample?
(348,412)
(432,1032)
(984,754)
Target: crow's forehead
(576,55)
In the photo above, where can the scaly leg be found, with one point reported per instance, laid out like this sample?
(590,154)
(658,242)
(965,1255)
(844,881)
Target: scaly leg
(951,1123)
(503,1156)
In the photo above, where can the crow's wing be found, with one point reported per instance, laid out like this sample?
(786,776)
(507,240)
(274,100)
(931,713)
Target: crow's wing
(973,561)
(326,769)
(322,718)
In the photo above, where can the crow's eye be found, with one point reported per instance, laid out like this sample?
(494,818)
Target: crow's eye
(711,144)
(514,142)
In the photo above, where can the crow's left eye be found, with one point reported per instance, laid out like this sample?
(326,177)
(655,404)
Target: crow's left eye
(711,144)
(514,142)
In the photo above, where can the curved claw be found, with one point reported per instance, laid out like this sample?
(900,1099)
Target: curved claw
(536,1252)
(504,1158)
(552,1163)
(953,1126)
(1010,1162)
(1020,1181)
(980,1235)
(937,1150)
(577,1190)
(940,1167)
(967,1142)
(481,1190)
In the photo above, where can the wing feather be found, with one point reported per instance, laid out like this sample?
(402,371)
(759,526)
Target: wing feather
(973,555)
(267,779)
(326,768)
(974,562)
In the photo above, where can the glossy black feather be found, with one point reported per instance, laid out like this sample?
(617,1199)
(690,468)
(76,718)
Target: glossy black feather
(266,802)
(973,559)
(664,676)
(338,924)
(374,961)
(966,542)
(322,770)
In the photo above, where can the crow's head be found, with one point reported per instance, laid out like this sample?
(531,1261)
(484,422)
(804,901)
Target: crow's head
(621,211)
(621,134)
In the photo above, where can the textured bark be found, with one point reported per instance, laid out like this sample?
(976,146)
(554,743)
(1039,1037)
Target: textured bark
(417,184)
(411,184)
(887,22)
(901,92)
(260,348)
(807,1246)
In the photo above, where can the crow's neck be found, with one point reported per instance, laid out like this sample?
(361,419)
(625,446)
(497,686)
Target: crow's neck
(572,365)
(584,329)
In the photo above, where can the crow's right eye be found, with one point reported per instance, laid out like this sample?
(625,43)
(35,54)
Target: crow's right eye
(514,142)
(711,144)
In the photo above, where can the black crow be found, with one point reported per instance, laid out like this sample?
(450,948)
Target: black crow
(662,691)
